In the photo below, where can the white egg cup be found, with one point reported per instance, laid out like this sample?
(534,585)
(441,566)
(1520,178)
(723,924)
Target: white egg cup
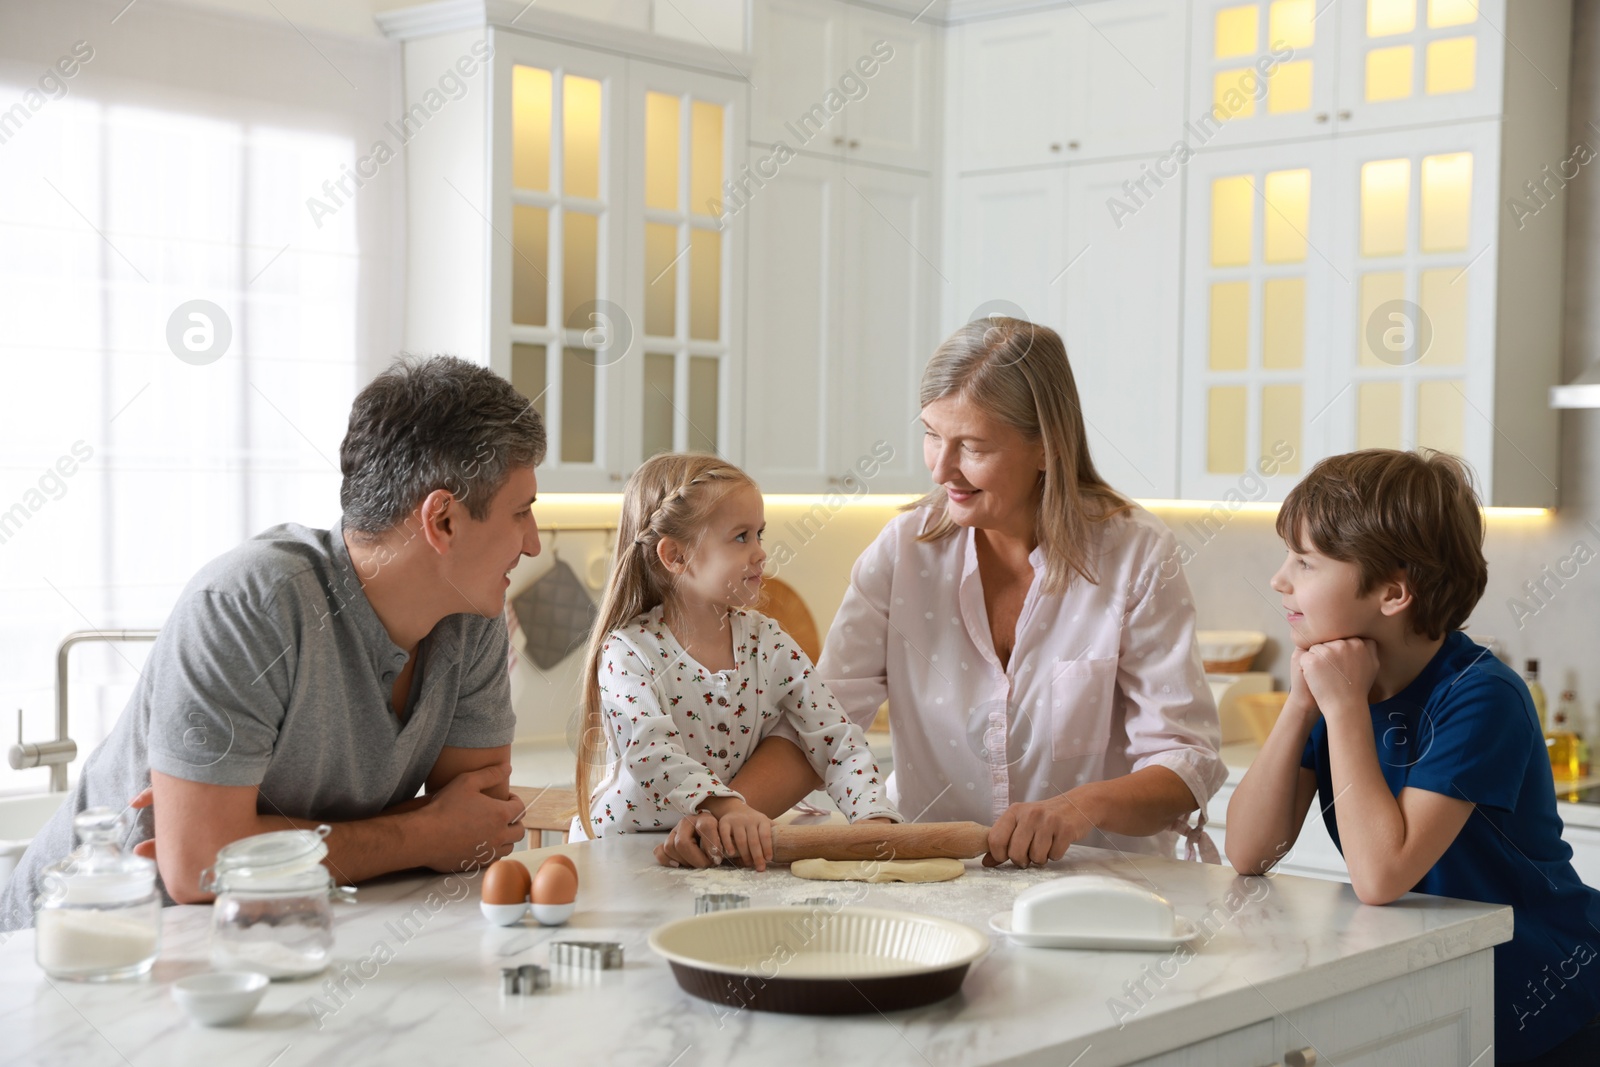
(220,998)
(503,914)
(553,914)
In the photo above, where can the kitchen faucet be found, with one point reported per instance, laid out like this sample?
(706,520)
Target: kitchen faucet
(63,750)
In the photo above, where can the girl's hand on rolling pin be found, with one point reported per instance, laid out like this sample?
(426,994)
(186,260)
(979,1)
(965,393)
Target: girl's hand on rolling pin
(745,832)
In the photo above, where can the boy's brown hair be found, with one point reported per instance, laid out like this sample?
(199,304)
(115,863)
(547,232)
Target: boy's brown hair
(1385,511)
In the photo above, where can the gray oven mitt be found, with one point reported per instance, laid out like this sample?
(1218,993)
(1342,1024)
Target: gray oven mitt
(556,614)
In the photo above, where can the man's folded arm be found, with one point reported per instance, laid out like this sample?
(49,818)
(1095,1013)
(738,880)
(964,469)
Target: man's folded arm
(462,825)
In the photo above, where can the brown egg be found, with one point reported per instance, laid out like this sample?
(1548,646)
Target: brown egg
(565,861)
(556,882)
(506,882)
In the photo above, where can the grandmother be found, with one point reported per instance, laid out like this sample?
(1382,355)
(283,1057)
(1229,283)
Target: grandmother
(1028,626)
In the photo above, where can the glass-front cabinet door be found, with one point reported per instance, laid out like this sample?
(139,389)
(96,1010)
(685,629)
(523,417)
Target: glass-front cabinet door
(560,227)
(1420,61)
(614,269)
(1262,283)
(683,259)
(1414,346)
(1260,71)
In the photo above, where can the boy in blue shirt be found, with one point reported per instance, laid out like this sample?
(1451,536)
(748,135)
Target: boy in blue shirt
(1423,749)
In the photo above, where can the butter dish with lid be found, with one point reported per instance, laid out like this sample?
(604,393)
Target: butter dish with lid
(1092,911)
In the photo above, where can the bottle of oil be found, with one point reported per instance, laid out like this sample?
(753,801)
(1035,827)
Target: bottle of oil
(1562,743)
(1530,676)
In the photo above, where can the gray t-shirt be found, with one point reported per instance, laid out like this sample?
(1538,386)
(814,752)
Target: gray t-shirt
(274,671)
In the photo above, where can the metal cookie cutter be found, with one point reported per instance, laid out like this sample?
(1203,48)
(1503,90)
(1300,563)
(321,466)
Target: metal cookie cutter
(706,902)
(595,955)
(525,979)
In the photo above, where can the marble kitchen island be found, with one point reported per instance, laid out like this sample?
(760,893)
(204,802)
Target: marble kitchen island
(1282,964)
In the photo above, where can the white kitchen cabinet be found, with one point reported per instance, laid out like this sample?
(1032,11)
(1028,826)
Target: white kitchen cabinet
(1010,243)
(1011,91)
(685,274)
(1259,283)
(566,231)
(843,287)
(888,308)
(1272,70)
(1044,244)
(1412,62)
(1074,82)
(1122,285)
(1247,1046)
(1413,1019)
(794,322)
(1366,291)
(1262,70)
(798,53)
(836,79)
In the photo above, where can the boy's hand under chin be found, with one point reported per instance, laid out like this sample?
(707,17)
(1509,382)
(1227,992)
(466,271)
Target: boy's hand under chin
(1339,674)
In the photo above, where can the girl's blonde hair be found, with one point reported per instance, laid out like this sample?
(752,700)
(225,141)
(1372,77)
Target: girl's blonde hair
(670,495)
(1017,372)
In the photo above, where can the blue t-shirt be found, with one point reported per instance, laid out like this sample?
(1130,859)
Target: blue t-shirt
(1466,728)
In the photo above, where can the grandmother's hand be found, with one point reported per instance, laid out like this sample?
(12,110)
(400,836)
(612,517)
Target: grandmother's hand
(693,842)
(1036,832)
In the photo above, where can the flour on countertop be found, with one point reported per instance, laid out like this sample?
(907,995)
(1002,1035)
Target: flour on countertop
(981,891)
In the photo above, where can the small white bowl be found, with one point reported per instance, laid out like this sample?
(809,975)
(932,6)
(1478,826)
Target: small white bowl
(220,998)
(553,914)
(503,914)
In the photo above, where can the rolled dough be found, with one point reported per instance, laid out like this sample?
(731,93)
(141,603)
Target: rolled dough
(941,870)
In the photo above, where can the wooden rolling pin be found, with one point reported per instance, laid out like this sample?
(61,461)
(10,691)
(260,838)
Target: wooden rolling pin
(880,841)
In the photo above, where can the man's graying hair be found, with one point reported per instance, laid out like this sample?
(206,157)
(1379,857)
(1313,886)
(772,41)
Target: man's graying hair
(433,423)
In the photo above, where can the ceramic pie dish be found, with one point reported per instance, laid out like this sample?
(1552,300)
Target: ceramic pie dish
(819,961)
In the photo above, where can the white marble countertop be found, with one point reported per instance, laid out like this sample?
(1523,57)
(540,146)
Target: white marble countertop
(1274,944)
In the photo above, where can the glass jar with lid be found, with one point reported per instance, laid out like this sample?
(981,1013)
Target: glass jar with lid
(273,912)
(98,914)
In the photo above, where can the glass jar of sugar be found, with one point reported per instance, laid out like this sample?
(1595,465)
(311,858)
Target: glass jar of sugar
(98,914)
(273,912)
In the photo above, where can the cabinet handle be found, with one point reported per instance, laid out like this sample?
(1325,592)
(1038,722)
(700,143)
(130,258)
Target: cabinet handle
(1344,115)
(834,479)
(616,476)
(1055,146)
(1300,1057)
(854,143)
(1322,116)
(1072,145)
(838,140)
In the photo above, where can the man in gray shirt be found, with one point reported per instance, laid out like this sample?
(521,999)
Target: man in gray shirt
(325,676)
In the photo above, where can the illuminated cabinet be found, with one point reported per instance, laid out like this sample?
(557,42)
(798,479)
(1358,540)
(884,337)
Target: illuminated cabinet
(1371,291)
(1284,69)
(564,230)
(844,288)
(611,296)
(842,80)
(1423,61)
(1262,71)
(1079,82)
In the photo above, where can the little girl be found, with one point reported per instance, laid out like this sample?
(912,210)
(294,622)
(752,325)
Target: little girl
(684,681)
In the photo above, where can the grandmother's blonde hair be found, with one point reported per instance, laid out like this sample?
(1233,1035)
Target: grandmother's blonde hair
(671,495)
(1017,372)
